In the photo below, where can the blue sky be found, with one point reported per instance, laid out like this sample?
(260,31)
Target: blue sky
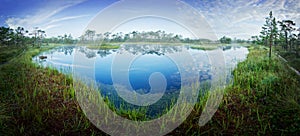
(240,18)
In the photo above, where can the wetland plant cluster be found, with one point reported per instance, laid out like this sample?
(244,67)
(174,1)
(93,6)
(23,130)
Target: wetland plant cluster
(263,99)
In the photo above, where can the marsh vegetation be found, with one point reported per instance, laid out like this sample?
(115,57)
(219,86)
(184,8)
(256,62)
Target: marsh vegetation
(262,97)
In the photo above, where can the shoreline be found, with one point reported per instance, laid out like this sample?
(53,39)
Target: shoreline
(50,96)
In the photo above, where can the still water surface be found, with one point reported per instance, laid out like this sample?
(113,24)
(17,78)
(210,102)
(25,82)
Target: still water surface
(145,60)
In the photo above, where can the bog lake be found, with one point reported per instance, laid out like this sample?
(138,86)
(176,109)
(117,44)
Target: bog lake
(144,69)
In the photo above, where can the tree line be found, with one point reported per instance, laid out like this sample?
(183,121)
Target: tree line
(21,37)
(134,36)
(61,39)
(35,38)
(282,33)
(90,36)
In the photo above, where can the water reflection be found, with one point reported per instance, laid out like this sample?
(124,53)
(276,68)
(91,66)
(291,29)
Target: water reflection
(67,50)
(150,49)
(103,53)
(149,59)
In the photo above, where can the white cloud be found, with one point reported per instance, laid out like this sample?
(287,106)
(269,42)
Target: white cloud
(51,26)
(243,19)
(43,18)
(66,18)
(239,18)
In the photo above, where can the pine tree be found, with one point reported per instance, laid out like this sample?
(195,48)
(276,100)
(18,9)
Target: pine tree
(269,33)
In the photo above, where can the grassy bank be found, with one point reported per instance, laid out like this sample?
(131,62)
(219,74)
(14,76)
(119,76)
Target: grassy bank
(204,47)
(103,46)
(292,58)
(216,45)
(8,53)
(264,99)
(38,101)
(116,45)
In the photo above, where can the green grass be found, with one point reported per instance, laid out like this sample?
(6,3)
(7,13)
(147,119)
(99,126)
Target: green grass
(264,99)
(292,58)
(212,46)
(104,46)
(204,47)
(38,101)
(7,53)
